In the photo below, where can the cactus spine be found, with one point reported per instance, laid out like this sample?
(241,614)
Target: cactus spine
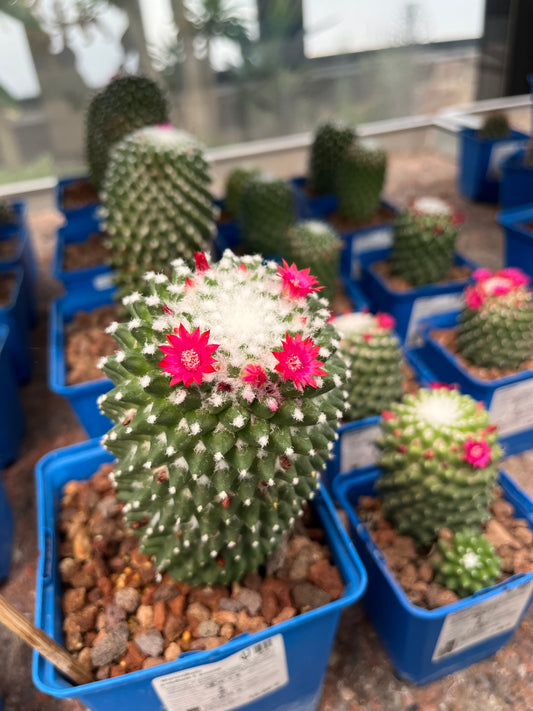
(329,145)
(266,213)
(360,180)
(315,245)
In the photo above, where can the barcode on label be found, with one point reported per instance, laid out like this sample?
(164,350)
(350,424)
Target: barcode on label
(261,647)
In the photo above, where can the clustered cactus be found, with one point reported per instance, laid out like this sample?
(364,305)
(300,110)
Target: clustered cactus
(375,360)
(157,204)
(495,328)
(424,241)
(361,176)
(225,402)
(329,146)
(266,212)
(495,125)
(317,246)
(235,183)
(125,104)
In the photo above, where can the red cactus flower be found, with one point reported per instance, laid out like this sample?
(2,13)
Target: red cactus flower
(385,321)
(188,357)
(435,385)
(402,448)
(388,415)
(477,453)
(367,336)
(242,267)
(201,263)
(297,283)
(189,284)
(254,374)
(167,310)
(297,361)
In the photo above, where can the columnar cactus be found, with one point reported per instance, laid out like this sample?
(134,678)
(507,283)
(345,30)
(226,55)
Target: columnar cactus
(360,180)
(439,461)
(329,145)
(495,328)
(315,245)
(234,185)
(375,360)
(126,103)
(156,203)
(495,125)
(265,214)
(424,241)
(226,399)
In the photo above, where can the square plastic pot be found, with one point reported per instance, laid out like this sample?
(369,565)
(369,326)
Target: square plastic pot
(516,186)
(507,399)
(480,163)
(83,396)
(411,305)
(11,414)
(16,316)
(518,239)
(425,645)
(304,641)
(90,210)
(6,532)
(311,207)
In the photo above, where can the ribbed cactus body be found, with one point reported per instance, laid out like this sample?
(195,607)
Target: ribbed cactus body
(439,461)
(220,442)
(234,186)
(375,360)
(361,178)
(316,245)
(266,212)
(329,145)
(495,125)
(125,104)
(157,203)
(424,242)
(466,563)
(495,328)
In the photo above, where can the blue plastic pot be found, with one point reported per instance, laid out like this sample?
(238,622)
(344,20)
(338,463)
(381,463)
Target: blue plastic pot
(518,243)
(228,235)
(480,163)
(311,207)
(306,639)
(83,396)
(6,532)
(425,645)
(90,210)
(409,306)
(508,399)
(16,316)
(516,187)
(11,414)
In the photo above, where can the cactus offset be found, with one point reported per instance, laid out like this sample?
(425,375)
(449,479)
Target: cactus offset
(360,180)
(375,361)
(495,328)
(220,441)
(234,185)
(329,145)
(315,245)
(495,125)
(157,203)
(439,461)
(424,242)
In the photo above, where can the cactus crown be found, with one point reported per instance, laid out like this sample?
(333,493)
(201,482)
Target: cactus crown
(360,179)
(439,462)
(495,328)
(156,203)
(126,103)
(495,125)
(375,360)
(225,406)
(8,216)
(329,145)
(234,185)
(424,241)
(316,245)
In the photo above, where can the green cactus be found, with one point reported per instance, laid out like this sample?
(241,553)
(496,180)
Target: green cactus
(126,103)
(266,213)
(156,203)
(8,216)
(360,180)
(495,327)
(219,442)
(495,125)
(424,242)
(466,562)
(329,145)
(234,185)
(375,360)
(316,245)
(439,461)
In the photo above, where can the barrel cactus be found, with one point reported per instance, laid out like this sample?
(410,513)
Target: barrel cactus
(495,125)
(424,241)
(316,245)
(495,327)
(126,103)
(234,185)
(375,361)
(439,458)
(360,180)
(157,205)
(225,402)
(329,145)
(265,214)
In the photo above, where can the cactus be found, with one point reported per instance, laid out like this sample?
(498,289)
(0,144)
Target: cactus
(315,245)
(234,185)
(466,562)
(424,241)
(495,125)
(219,442)
(156,203)
(360,180)
(8,216)
(439,461)
(266,213)
(375,360)
(495,327)
(329,145)
(126,103)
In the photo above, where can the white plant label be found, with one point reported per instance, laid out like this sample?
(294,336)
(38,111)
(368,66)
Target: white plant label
(358,448)
(481,621)
(377,239)
(240,679)
(499,152)
(511,409)
(430,306)
(103,281)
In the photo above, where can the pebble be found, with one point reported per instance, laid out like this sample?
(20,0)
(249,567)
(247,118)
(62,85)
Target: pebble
(208,628)
(150,642)
(172,652)
(145,616)
(197,611)
(128,598)
(166,592)
(112,646)
(230,604)
(327,578)
(73,600)
(114,615)
(250,600)
(308,596)
(153,662)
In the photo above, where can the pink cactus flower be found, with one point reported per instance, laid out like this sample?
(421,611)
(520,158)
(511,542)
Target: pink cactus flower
(165,126)
(517,276)
(477,453)
(481,274)
(297,282)
(435,385)
(201,263)
(297,361)
(385,321)
(388,415)
(474,297)
(254,374)
(188,356)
